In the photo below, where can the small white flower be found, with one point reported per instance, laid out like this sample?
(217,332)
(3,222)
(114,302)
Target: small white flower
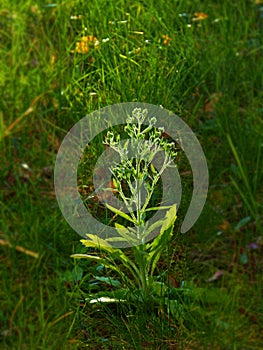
(25,166)
(105,300)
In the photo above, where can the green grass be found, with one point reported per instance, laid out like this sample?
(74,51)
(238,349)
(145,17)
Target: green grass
(210,74)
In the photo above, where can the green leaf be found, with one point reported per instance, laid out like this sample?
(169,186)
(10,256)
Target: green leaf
(120,213)
(120,228)
(242,222)
(153,169)
(176,309)
(102,244)
(153,227)
(167,222)
(95,242)
(127,234)
(158,288)
(86,256)
(170,218)
(115,254)
(244,258)
(157,246)
(117,239)
(108,280)
(115,183)
(105,262)
(159,208)
(77,273)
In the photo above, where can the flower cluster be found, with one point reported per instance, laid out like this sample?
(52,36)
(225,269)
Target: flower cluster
(136,156)
(145,140)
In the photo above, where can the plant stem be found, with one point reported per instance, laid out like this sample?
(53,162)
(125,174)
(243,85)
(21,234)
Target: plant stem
(140,256)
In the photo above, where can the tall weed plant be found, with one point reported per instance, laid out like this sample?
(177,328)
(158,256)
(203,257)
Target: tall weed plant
(135,179)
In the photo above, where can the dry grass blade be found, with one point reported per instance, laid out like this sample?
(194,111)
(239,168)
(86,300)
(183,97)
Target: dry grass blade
(30,109)
(20,249)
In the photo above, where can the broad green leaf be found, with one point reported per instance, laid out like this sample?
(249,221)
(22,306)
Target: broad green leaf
(105,262)
(170,218)
(156,250)
(158,208)
(242,222)
(95,242)
(77,273)
(167,222)
(127,234)
(96,239)
(108,280)
(129,240)
(154,226)
(86,256)
(116,239)
(129,265)
(120,213)
(161,240)
(115,253)
(123,228)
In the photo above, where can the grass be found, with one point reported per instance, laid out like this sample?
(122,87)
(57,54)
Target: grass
(210,74)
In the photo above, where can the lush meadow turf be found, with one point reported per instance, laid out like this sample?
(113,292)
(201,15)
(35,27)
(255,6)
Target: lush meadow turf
(199,59)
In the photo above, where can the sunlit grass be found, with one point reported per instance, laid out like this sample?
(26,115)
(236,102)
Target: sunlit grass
(203,62)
